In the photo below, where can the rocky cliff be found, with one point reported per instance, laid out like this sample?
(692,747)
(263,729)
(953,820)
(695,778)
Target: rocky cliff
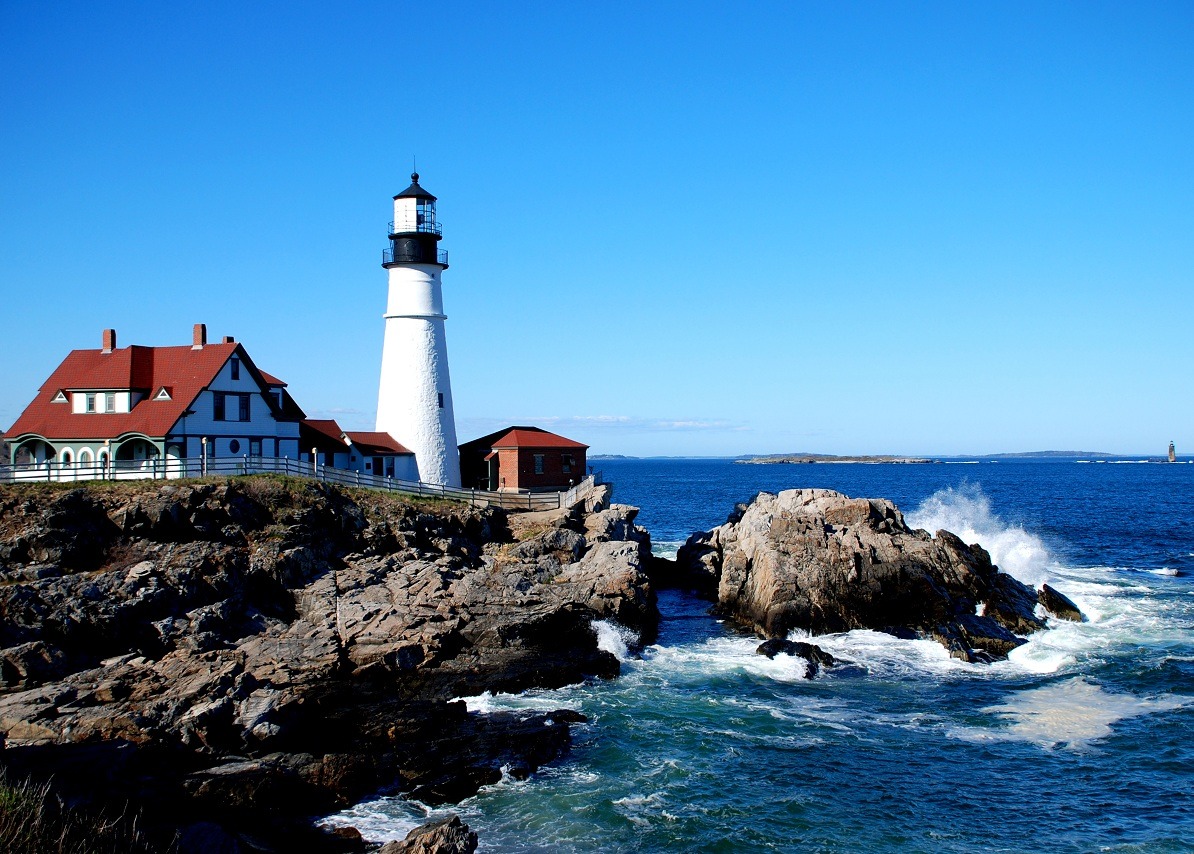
(235,656)
(817,560)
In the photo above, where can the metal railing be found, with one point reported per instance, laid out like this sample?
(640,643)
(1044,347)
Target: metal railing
(387,257)
(170,468)
(406,226)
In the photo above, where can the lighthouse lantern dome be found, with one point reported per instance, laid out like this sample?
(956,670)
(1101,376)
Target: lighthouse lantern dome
(414,210)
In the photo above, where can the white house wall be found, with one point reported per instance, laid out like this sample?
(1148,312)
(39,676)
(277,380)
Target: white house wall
(278,438)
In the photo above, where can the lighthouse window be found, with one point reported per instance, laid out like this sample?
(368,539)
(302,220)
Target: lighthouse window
(441,400)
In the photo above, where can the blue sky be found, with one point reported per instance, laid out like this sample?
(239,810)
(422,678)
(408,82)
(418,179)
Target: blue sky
(674,228)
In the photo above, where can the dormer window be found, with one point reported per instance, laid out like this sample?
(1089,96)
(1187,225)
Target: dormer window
(163,394)
(109,402)
(60,397)
(91,403)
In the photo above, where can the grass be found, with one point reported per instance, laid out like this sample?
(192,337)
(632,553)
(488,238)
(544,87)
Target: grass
(34,820)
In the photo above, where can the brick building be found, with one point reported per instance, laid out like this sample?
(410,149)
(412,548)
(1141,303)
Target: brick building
(523,459)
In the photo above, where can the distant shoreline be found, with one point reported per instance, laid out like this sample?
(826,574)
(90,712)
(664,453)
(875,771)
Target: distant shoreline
(793,459)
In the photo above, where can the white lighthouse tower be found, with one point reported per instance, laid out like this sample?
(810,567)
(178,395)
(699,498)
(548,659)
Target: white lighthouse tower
(414,404)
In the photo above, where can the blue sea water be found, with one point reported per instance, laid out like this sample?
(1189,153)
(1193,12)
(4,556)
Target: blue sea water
(1082,741)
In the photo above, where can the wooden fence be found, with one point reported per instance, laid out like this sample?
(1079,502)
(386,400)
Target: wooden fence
(159,469)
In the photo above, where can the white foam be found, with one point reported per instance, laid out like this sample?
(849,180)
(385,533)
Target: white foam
(966,511)
(614,638)
(1071,713)
(382,820)
(532,701)
(720,656)
(666,548)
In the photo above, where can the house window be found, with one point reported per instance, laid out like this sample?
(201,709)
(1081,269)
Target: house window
(538,463)
(218,406)
(566,462)
(254,447)
(91,403)
(441,400)
(277,396)
(109,402)
(235,368)
(244,407)
(234,446)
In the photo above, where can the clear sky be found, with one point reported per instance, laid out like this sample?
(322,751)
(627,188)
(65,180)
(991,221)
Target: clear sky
(674,228)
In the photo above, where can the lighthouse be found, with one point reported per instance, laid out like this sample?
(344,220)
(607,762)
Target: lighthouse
(414,403)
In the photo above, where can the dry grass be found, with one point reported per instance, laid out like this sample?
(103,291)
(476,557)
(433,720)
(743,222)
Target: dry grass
(33,820)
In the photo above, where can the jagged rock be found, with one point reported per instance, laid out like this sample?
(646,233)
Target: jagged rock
(282,647)
(447,836)
(817,560)
(1058,604)
(813,654)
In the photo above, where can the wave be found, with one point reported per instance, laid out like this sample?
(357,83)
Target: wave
(666,548)
(967,512)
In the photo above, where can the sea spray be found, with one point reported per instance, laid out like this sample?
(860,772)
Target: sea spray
(966,511)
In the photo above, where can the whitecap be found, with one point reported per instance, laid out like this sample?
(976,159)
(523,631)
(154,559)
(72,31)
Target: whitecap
(967,512)
(614,638)
(541,700)
(666,548)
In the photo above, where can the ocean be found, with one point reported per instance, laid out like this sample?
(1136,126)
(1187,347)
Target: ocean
(1082,741)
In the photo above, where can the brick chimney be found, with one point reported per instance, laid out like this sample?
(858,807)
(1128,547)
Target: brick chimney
(109,341)
(228,339)
(200,336)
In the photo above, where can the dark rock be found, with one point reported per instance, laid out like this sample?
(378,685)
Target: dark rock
(1058,604)
(813,654)
(447,836)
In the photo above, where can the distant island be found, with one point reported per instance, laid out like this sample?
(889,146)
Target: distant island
(829,458)
(1040,454)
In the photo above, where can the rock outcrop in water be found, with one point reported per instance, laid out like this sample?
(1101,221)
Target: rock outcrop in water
(817,560)
(232,656)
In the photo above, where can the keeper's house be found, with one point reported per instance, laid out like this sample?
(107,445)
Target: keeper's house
(137,408)
(377,454)
(523,459)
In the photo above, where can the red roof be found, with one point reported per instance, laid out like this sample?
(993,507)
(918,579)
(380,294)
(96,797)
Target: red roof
(326,432)
(184,370)
(523,437)
(376,444)
(270,379)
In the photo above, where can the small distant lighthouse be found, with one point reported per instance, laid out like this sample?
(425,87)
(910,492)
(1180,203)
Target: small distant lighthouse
(1172,453)
(414,403)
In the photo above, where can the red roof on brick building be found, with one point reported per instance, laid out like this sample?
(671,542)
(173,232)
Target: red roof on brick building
(523,437)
